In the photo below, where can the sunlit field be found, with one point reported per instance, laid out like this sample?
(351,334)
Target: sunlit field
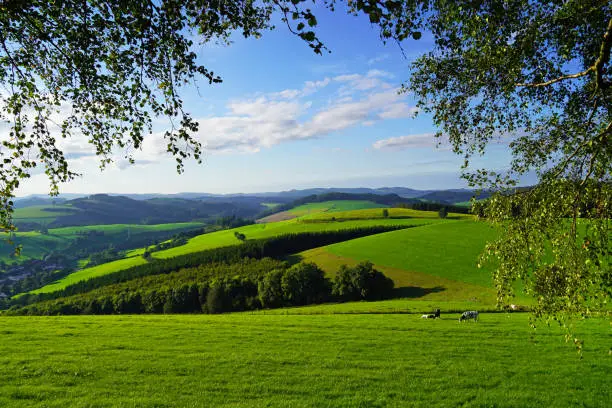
(246,360)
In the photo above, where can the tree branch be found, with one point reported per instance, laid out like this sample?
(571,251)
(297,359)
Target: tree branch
(561,78)
(598,67)
(604,58)
(580,147)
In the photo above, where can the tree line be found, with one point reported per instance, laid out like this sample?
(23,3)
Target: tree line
(217,288)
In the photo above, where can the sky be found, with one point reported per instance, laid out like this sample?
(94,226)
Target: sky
(286,118)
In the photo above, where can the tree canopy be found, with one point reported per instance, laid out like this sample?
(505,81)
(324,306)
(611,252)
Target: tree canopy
(533,75)
(104,69)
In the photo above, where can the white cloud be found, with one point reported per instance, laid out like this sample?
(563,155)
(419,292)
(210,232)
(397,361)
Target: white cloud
(399,110)
(378,58)
(379,73)
(251,125)
(406,142)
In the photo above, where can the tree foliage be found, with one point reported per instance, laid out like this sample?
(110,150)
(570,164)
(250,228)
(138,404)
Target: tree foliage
(104,69)
(537,77)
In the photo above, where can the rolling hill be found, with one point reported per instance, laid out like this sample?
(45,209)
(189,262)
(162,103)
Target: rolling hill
(221,239)
(434,262)
(94,237)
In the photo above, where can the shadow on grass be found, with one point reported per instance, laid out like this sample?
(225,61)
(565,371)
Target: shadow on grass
(415,291)
(292,259)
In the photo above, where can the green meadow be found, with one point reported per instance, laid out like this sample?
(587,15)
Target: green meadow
(40,213)
(448,250)
(219,239)
(436,262)
(36,245)
(244,360)
(377,213)
(333,206)
(259,231)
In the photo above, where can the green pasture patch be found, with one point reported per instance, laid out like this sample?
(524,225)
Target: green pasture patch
(409,284)
(333,206)
(299,361)
(40,212)
(114,229)
(377,213)
(258,231)
(88,273)
(466,204)
(449,250)
(36,245)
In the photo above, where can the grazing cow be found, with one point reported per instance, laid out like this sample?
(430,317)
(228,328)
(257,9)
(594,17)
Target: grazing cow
(435,315)
(472,314)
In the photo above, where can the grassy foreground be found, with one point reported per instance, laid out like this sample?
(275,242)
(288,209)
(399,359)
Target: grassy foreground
(298,361)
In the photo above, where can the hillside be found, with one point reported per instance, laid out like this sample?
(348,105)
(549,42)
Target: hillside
(436,262)
(105,209)
(304,210)
(222,239)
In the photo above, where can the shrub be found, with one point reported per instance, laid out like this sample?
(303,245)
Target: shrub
(362,282)
(269,289)
(304,283)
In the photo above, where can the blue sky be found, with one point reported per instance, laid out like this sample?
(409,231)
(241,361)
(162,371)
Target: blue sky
(286,118)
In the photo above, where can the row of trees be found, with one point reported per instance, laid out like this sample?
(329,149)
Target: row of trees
(246,285)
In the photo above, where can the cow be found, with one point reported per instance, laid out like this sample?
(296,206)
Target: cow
(472,314)
(434,315)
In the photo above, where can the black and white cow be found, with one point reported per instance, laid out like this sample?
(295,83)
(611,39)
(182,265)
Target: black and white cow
(435,315)
(472,314)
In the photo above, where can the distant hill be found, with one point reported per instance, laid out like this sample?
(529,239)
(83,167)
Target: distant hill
(190,206)
(453,196)
(29,201)
(108,209)
(388,200)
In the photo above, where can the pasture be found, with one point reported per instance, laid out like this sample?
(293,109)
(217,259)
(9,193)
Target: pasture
(36,245)
(307,210)
(447,250)
(377,213)
(258,231)
(44,214)
(244,360)
(333,206)
(436,263)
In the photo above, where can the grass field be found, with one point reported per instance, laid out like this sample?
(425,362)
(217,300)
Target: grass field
(376,213)
(219,239)
(37,213)
(259,231)
(299,361)
(333,206)
(448,250)
(437,263)
(36,245)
